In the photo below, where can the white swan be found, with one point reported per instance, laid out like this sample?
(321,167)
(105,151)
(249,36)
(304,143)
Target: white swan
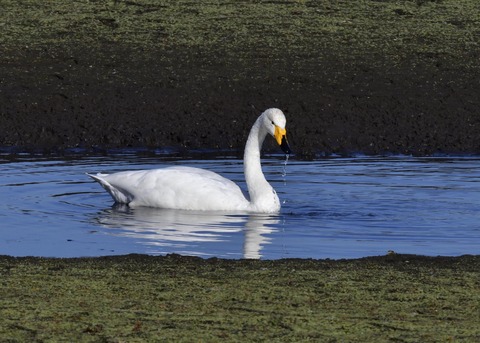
(190,188)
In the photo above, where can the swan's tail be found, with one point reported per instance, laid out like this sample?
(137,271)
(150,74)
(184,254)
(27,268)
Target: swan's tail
(120,196)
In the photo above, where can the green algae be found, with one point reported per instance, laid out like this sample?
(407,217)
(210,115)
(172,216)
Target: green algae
(140,298)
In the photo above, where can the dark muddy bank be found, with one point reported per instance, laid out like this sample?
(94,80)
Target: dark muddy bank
(372,77)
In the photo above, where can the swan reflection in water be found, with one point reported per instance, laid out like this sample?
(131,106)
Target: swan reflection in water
(177,230)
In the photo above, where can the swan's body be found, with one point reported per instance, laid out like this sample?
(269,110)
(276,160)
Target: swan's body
(174,187)
(190,188)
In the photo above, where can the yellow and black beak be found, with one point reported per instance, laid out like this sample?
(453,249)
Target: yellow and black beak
(281,138)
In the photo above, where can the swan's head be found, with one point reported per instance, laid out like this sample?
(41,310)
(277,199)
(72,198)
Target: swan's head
(274,121)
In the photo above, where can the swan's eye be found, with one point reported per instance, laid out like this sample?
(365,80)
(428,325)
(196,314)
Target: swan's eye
(273,122)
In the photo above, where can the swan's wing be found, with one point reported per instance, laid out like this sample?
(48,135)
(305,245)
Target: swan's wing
(175,187)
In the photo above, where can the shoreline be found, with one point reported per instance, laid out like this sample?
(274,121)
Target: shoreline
(173,297)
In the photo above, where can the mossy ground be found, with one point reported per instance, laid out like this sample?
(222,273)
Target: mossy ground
(139,298)
(390,28)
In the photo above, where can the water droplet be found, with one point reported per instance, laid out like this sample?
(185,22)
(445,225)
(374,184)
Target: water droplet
(284,173)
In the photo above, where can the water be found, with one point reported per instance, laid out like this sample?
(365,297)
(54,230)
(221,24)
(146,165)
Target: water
(332,208)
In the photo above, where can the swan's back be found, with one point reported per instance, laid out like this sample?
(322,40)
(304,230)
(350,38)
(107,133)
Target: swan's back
(174,187)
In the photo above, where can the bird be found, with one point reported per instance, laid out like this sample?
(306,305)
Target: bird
(190,188)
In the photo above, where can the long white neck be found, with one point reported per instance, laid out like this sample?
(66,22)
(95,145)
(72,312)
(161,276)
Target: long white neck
(262,195)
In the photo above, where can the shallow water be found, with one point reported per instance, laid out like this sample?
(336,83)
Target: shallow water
(332,208)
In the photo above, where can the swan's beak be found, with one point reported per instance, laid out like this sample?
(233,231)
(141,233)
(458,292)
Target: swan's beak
(281,138)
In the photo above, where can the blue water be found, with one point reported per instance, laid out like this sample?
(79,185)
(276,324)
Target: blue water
(332,208)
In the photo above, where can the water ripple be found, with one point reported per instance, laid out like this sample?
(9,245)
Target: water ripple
(332,208)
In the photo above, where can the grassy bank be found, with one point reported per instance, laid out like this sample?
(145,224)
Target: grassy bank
(350,29)
(140,298)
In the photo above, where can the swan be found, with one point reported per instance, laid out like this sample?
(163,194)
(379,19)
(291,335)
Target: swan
(189,188)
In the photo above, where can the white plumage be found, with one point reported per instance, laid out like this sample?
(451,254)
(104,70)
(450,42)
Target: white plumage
(189,188)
